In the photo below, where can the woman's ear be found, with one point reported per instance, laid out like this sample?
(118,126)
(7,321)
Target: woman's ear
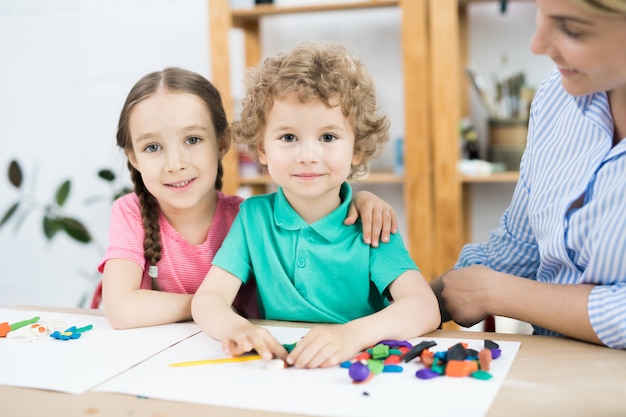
(223,143)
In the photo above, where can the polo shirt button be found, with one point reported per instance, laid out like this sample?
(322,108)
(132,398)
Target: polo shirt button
(305,233)
(300,263)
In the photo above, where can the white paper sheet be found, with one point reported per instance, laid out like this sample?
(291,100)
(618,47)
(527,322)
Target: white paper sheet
(319,392)
(76,366)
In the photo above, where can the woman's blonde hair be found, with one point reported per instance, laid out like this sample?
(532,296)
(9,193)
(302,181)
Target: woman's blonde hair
(612,7)
(321,70)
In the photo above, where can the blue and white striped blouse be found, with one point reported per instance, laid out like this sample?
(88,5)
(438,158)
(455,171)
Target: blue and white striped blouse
(569,153)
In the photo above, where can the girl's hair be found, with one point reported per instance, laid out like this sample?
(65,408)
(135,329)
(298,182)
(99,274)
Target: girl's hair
(314,70)
(612,7)
(173,80)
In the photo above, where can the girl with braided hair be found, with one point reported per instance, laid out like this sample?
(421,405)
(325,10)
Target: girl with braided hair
(162,239)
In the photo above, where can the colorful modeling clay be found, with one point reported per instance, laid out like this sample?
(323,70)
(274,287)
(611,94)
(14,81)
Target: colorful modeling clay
(71,333)
(5,327)
(457,361)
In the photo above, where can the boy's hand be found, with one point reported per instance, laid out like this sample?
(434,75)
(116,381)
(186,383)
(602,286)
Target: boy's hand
(250,337)
(323,347)
(378,218)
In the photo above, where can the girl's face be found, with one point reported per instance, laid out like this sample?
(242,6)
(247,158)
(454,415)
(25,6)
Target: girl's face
(309,151)
(175,150)
(589,49)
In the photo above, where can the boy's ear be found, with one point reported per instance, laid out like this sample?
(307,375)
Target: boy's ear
(223,143)
(261,154)
(357,158)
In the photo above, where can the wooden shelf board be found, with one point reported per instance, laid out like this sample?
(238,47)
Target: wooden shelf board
(496,177)
(243,16)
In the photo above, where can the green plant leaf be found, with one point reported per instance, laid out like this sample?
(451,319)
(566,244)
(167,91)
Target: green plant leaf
(63,192)
(15,174)
(76,230)
(10,212)
(51,225)
(107,175)
(122,192)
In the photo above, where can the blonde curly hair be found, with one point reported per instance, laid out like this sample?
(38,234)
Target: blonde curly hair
(320,70)
(612,7)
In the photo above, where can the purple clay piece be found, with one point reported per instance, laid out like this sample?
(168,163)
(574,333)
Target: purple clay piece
(495,353)
(426,373)
(358,371)
(396,343)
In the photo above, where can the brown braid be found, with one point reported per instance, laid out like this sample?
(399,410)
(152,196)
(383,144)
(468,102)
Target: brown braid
(150,217)
(170,79)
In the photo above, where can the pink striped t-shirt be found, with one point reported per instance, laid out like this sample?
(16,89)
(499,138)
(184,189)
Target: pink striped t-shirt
(182,266)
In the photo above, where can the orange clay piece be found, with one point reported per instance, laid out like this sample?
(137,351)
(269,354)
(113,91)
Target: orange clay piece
(5,328)
(392,360)
(427,358)
(461,368)
(484,359)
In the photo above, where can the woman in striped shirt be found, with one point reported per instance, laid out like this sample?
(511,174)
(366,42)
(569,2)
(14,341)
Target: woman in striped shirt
(558,260)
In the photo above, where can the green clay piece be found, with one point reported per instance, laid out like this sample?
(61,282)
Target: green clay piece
(483,375)
(438,366)
(24,323)
(375,366)
(289,346)
(380,351)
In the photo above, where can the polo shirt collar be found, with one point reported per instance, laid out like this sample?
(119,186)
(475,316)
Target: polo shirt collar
(327,227)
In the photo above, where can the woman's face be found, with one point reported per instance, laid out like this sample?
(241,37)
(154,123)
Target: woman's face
(589,49)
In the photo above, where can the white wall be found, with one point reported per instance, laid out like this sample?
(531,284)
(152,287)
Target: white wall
(67,66)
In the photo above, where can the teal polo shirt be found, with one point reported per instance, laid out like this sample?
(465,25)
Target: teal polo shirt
(321,272)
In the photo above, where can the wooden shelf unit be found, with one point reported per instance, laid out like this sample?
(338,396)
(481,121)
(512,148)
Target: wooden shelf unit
(416,181)
(433,36)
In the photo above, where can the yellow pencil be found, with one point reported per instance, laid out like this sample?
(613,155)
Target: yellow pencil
(217,361)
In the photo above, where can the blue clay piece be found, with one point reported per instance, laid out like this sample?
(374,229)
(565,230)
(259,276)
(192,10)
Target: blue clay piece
(392,368)
(426,374)
(358,372)
(345,364)
(495,353)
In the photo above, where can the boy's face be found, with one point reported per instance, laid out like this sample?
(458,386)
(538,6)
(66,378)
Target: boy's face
(175,150)
(308,149)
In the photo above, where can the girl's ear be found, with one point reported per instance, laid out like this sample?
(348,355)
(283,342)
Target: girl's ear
(132,159)
(223,143)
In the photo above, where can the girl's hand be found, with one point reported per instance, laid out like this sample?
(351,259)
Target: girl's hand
(323,347)
(378,218)
(249,337)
